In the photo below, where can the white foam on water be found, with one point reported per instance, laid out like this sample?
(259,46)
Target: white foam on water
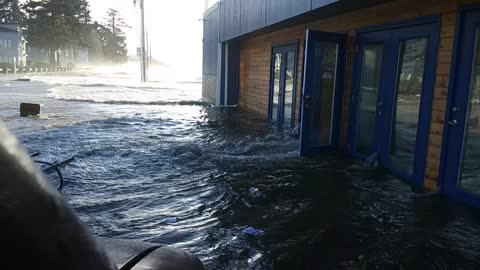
(122,87)
(64,96)
(114,94)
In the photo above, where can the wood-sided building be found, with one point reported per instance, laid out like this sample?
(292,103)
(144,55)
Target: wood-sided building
(393,81)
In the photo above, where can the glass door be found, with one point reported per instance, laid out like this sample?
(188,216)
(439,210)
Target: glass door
(369,89)
(392,98)
(322,91)
(462,149)
(368,97)
(283,83)
(410,75)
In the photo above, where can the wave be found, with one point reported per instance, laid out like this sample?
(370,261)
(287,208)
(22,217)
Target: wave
(133,102)
(107,93)
(103,85)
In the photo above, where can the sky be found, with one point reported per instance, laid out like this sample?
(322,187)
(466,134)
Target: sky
(210,3)
(174,27)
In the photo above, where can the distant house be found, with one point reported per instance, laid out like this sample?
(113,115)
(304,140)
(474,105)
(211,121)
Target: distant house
(82,57)
(14,50)
(67,57)
(37,56)
(12,45)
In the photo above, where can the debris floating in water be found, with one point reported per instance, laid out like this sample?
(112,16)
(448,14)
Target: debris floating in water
(28,109)
(171,220)
(255,192)
(296,132)
(253,231)
(371,161)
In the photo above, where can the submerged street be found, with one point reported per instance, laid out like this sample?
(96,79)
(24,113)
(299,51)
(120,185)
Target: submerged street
(154,163)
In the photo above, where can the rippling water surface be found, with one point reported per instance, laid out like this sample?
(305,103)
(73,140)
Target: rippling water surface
(145,154)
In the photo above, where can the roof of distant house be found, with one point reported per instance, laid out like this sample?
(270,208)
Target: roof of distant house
(7,30)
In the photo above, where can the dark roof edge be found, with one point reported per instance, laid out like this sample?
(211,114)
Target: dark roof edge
(7,30)
(324,12)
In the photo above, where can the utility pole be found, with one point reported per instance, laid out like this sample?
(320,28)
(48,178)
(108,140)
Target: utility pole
(142,42)
(143,64)
(147,51)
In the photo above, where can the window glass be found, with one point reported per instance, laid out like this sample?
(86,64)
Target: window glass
(276,85)
(289,84)
(410,75)
(471,154)
(325,70)
(369,87)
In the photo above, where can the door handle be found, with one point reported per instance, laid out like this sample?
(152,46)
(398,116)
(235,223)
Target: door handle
(453,123)
(380,108)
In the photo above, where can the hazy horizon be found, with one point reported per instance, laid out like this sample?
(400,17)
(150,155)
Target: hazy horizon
(175,29)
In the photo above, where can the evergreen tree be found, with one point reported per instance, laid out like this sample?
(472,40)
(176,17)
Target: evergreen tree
(57,24)
(60,24)
(95,46)
(115,22)
(10,12)
(113,37)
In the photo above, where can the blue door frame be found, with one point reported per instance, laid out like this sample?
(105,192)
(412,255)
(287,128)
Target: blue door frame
(312,90)
(391,36)
(457,107)
(283,49)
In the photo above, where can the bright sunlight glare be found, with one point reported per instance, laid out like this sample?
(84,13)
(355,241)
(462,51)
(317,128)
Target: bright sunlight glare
(174,31)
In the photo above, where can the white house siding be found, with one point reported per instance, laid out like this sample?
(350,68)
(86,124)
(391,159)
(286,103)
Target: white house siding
(9,47)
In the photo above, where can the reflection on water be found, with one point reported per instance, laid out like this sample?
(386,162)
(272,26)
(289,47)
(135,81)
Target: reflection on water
(221,170)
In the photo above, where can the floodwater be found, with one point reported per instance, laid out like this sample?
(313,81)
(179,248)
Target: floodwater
(145,154)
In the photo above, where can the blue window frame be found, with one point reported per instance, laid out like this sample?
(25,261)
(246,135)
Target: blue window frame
(283,84)
(392,92)
(459,174)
